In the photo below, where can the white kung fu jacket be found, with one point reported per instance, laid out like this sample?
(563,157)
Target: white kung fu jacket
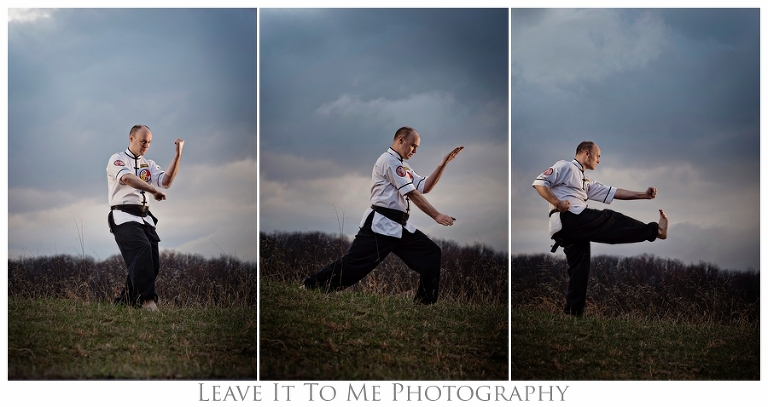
(568,182)
(123,194)
(391,179)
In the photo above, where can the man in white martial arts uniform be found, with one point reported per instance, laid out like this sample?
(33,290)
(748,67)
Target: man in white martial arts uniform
(385,227)
(573,226)
(130,177)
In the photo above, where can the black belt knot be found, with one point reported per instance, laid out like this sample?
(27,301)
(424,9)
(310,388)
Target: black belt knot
(392,214)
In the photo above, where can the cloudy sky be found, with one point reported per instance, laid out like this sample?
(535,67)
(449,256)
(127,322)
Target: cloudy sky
(672,97)
(80,78)
(336,84)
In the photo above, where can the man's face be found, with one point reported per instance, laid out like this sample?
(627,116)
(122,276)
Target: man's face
(410,144)
(593,158)
(139,143)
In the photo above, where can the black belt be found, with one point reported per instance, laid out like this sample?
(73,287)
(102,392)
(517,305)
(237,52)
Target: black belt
(392,214)
(135,210)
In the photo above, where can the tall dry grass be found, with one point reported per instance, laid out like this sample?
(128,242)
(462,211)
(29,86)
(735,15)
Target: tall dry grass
(642,287)
(469,274)
(184,279)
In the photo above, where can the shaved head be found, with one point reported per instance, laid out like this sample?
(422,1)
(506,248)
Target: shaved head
(138,128)
(405,132)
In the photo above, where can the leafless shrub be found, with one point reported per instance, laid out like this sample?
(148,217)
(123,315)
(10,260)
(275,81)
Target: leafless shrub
(642,287)
(184,279)
(469,274)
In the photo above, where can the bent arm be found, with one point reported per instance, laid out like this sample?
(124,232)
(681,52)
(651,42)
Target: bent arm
(421,202)
(546,193)
(136,182)
(173,168)
(438,172)
(624,194)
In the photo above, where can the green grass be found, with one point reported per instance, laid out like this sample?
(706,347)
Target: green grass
(548,346)
(306,334)
(73,339)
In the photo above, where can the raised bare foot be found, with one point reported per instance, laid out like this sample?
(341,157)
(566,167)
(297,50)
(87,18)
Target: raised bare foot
(663,225)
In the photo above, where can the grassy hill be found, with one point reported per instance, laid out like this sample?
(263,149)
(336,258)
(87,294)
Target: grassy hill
(306,334)
(62,323)
(73,339)
(547,346)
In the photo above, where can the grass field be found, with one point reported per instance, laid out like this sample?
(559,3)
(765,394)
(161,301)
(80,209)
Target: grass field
(75,339)
(353,335)
(547,346)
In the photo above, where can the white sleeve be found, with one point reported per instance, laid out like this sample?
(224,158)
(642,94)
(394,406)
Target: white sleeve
(398,176)
(157,173)
(419,181)
(551,177)
(116,167)
(600,193)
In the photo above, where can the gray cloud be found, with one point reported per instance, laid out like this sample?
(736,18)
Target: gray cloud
(80,78)
(675,106)
(336,84)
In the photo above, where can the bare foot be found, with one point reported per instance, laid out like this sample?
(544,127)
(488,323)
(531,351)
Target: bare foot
(149,305)
(663,225)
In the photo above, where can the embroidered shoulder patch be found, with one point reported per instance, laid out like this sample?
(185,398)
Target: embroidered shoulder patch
(119,163)
(400,171)
(549,171)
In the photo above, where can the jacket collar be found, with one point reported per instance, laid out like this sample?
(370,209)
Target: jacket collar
(395,153)
(131,154)
(578,164)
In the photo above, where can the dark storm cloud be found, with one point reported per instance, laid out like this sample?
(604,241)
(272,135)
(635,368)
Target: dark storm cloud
(671,89)
(335,86)
(314,57)
(697,90)
(79,80)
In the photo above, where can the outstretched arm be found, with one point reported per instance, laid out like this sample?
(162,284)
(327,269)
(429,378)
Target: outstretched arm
(546,193)
(173,169)
(417,198)
(438,172)
(649,193)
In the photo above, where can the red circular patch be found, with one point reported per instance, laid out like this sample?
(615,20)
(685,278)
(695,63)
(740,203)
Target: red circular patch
(145,175)
(119,163)
(549,171)
(400,171)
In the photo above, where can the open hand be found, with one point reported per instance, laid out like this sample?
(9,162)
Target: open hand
(444,220)
(450,156)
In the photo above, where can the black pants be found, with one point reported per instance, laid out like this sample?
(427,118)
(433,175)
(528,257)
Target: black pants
(591,225)
(138,245)
(369,249)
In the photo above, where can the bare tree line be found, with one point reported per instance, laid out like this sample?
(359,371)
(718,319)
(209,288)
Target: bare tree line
(645,287)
